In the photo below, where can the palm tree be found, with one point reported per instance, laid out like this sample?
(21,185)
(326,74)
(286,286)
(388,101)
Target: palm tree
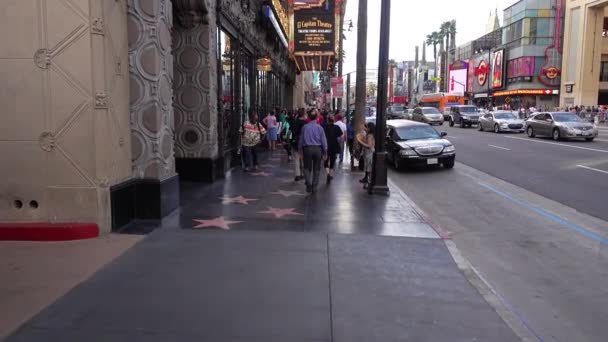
(444,32)
(360,86)
(453,36)
(433,39)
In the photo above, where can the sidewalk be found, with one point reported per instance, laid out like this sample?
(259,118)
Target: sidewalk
(254,258)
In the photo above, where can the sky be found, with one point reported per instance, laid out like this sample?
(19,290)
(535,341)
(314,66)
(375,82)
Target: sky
(412,20)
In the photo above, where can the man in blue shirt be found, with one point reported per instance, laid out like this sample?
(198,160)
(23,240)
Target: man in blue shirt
(313,145)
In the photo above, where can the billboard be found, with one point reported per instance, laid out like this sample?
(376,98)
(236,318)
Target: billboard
(337,86)
(458,74)
(498,68)
(523,66)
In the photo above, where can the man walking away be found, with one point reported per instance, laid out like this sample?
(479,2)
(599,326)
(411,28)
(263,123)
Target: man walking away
(340,123)
(313,145)
(298,156)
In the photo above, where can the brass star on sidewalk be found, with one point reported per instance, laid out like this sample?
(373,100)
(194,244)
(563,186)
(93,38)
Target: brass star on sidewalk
(238,200)
(287,194)
(279,213)
(219,222)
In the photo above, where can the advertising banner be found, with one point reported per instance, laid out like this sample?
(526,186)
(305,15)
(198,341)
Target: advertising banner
(498,67)
(523,66)
(458,77)
(337,86)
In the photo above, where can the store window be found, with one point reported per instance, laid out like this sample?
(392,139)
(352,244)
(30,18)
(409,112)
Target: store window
(227,59)
(604,72)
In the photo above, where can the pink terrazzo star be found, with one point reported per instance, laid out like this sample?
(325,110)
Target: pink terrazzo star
(279,213)
(261,174)
(287,194)
(219,222)
(238,200)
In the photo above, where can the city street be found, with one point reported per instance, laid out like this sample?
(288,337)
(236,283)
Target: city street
(527,213)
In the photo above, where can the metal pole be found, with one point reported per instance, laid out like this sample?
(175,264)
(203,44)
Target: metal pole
(347,93)
(379,179)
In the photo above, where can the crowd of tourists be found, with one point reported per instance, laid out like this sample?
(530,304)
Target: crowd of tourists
(312,139)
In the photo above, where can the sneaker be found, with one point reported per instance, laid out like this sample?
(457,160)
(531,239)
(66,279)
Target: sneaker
(309,189)
(363,180)
(329,179)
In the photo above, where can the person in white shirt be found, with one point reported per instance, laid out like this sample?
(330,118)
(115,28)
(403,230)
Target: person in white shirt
(340,123)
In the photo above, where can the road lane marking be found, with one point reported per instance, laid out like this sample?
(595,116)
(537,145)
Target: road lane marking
(547,214)
(501,148)
(558,144)
(592,169)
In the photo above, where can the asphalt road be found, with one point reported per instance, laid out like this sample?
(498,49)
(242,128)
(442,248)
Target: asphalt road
(530,215)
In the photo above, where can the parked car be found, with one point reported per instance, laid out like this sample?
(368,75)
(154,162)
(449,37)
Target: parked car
(530,117)
(410,114)
(465,116)
(560,125)
(396,112)
(501,121)
(429,115)
(412,143)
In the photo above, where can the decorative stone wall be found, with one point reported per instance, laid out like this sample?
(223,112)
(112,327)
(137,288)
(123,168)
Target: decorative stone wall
(151,89)
(195,85)
(64,132)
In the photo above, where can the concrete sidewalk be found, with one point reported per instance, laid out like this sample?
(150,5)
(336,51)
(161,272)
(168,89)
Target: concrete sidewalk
(339,265)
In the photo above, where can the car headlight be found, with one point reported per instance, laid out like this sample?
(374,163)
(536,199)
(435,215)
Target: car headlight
(449,148)
(407,152)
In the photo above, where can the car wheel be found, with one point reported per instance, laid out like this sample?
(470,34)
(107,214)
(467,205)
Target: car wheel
(462,123)
(556,135)
(530,132)
(496,128)
(451,122)
(589,139)
(480,127)
(449,164)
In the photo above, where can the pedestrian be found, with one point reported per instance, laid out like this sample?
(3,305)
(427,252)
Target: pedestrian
(313,145)
(252,134)
(298,156)
(368,144)
(333,135)
(340,123)
(350,140)
(286,136)
(271,123)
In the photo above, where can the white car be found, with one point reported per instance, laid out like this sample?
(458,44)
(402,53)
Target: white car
(501,121)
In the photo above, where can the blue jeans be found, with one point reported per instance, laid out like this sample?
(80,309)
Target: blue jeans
(250,154)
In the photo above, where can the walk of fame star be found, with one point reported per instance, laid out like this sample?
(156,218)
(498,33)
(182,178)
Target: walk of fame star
(238,200)
(287,194)
(219,222)
(279,213)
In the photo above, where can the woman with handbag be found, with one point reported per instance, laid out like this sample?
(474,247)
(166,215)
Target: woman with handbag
(252,135)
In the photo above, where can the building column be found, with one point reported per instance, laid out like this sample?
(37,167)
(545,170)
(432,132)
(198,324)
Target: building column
(588,84)
(153,191)
(195,89)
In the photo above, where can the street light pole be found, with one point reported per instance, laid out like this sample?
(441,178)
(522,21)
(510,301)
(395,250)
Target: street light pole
(379,179)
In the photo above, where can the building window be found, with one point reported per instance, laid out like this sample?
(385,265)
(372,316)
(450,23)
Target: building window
(604,72)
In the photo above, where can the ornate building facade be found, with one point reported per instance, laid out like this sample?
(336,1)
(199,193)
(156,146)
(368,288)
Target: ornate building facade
(108,104)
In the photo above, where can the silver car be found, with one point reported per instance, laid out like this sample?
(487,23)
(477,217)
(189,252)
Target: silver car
(560,126)
(429,115)
(501,121)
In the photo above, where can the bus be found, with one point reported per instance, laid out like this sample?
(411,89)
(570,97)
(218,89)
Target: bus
(441,100)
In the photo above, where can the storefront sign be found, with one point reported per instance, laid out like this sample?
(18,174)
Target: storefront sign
(527,92)
(337,86)
(523,66)
(552,72)
(498,68)
(481,72)
(481,96)
(270,15)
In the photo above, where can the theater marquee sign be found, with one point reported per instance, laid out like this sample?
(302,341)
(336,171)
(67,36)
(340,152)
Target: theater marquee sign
(314,31)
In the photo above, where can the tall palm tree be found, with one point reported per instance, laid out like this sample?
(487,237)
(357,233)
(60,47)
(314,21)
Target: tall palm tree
(444,32)
(433,39)
(453,36)
(361,86)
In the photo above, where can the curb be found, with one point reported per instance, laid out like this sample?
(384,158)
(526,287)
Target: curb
(43,231)
(502,308)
